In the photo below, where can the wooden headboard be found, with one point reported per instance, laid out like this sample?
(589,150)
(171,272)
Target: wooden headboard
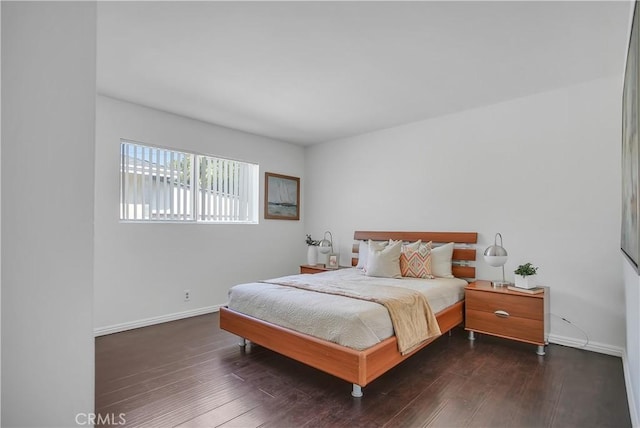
(464,253)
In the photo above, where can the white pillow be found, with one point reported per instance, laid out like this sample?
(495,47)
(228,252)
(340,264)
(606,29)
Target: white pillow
(362,255)
(363,252)
(441,260)
(384,260)
(413,246)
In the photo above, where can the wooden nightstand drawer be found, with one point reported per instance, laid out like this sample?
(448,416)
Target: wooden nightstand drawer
(317,268)
(515,306)
(312,268)
(525,329)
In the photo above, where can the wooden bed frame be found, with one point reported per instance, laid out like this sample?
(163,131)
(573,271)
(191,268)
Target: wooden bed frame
(356,367)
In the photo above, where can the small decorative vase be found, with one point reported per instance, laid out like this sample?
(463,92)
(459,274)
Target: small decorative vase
(312,255)
(525,281)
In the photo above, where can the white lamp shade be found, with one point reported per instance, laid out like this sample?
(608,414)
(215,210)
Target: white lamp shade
(324,247)
(495,261)
(495,255)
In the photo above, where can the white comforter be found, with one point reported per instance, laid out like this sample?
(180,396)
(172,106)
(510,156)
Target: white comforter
(355,323)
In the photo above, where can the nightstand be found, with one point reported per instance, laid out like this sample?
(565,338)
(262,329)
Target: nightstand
(315,268)
(501,312)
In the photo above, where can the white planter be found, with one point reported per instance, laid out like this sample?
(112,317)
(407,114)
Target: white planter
(312,255)
(527,282)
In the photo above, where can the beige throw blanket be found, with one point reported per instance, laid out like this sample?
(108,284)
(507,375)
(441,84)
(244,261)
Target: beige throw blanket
(410,313)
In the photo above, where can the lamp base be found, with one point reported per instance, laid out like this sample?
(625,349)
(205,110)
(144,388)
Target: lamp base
(497,284)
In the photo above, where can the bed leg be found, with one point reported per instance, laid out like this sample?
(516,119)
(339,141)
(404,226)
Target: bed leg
(449,332)
(472,335)
(357,391)
(242,343)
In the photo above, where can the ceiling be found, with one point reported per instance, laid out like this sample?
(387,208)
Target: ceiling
(309,72)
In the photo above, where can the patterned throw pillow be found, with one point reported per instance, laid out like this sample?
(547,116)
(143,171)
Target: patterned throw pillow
(415,260)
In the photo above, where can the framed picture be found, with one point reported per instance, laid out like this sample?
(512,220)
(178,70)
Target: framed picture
(281,197)
(332,261)
(630,222)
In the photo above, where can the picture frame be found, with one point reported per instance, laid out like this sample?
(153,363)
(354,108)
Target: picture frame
(630,221)
(281,197)
(333,261)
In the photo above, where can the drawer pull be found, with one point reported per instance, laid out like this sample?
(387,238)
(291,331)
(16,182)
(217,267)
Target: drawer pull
(502,314)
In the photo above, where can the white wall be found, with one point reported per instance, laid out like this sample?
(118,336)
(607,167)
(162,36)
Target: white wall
(543,170)
(632,363)
(48,129)
(141,270)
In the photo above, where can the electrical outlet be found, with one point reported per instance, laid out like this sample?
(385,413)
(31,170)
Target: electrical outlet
(187,295)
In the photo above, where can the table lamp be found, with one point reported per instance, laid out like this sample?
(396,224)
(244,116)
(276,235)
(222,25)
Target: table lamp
(496,256)
(326,245)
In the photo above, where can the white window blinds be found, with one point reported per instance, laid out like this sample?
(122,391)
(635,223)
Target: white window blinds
(159,184)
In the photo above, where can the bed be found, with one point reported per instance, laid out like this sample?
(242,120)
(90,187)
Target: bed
(354,365)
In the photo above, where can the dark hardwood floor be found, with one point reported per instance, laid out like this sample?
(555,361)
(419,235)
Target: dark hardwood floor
(189,373)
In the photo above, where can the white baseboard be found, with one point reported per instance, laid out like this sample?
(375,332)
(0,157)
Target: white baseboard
(601,348)
(101,331)
(633,411)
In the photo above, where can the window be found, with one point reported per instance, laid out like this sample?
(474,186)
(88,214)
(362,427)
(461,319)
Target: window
(159,184)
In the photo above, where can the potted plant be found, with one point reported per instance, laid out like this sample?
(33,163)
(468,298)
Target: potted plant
(525,275)
(312,251)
